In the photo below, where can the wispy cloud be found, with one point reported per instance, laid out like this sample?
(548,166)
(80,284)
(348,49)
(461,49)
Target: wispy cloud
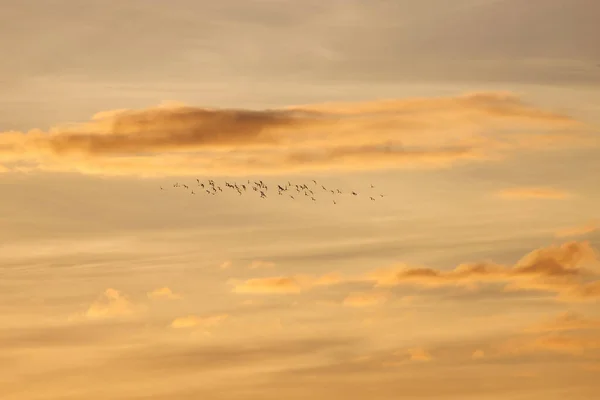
(348,136)
(533,193)
(580,230)
(286,284)
(164,293)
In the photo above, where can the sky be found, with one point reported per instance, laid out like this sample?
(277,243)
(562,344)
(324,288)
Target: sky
(465,267)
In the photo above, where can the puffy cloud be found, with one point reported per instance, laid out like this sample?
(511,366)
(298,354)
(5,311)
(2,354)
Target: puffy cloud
(192,321)
(533,193)
(163,293)
(111,304)
(554,268)
(181,140)
(364,299)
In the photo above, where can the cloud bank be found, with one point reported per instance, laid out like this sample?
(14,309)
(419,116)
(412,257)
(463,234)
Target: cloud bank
(405,133)
(559,269)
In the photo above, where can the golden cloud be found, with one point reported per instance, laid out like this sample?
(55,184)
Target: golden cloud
(285,284)
(555,268)
(533,193)
(419,354)
(163,293)
(181,140)
(111,304)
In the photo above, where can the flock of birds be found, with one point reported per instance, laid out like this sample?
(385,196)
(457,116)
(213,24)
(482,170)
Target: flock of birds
(293,191)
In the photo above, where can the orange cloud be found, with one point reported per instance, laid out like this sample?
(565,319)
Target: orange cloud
(112,304)
(533,193)
(163,293)
(285,284)
(419,354)
(269,285)
(554,268)
(181,140)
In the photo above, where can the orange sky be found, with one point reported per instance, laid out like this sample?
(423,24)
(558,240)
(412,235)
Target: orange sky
(465,267)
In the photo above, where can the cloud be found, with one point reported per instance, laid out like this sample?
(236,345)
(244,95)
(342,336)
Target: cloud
(568,321)
(261,264)
(192,321)
(364,299)
(182,140)
(565,344)
(286,284)
(282,285)
(225,265)
(112,304)
(554,268)
(585,292)
(163,293)
(533,193)
(578,230)
(419,354)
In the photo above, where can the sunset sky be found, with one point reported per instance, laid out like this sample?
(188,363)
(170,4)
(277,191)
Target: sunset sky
(473,273)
